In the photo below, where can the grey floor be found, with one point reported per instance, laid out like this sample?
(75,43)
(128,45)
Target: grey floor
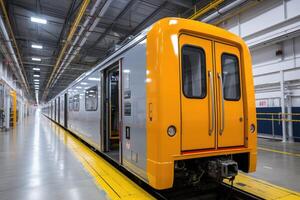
(36,165)
(276,168)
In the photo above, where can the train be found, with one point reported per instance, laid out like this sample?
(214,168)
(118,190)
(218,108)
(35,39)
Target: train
(174,105)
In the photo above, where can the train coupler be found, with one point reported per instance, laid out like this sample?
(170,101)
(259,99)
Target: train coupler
(220,169)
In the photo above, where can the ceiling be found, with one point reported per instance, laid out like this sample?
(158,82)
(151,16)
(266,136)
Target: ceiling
(117,20)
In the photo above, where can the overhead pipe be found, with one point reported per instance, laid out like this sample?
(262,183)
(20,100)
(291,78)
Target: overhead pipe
(65,64)
(19,66)
(78,18)
(221,11)
(207,8)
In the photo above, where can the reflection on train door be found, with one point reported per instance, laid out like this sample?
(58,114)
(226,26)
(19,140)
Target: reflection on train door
(111,133)
(66,109)
(197,102)
(58,110)
(230,102)
(55,110)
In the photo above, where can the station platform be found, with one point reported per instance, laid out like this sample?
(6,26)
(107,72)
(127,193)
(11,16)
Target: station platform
(40,160)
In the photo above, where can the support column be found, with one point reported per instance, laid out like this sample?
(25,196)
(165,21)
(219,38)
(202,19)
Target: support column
(290,123)
(282,106)
(6,108)
(13,95)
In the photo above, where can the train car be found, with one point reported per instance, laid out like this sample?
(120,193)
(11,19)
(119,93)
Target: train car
(173,105)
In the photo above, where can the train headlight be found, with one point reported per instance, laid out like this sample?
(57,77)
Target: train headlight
(252,128)
(171,131)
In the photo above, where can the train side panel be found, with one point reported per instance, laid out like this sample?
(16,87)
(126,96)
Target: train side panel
(84,109)
(62,110)
(134,109)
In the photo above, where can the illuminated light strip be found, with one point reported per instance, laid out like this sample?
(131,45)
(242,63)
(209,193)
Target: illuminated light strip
(277,151)
(263,189)
(106,176)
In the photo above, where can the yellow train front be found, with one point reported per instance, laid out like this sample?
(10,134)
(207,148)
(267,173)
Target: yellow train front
(200,102)
(174,105)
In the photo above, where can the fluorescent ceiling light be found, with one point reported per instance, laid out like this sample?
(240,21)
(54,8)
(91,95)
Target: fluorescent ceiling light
(78,87)
(36,69)
(83,83)
(36,59)
(36,75)
(38,20)
(36,46)
(36,80)
(94,79)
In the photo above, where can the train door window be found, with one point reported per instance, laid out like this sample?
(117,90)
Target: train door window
(62,106)
(193,72)
(66,110)
(230,77)
(70,103)
(58,109)
(112,118)
(91,99)
(76,102)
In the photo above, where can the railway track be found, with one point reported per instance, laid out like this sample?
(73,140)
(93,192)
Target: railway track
(223,192)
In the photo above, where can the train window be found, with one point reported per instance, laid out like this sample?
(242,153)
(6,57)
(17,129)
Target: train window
(193,72)
(230,77)
(62,104)
(91,99)
(76,102)
(70,103)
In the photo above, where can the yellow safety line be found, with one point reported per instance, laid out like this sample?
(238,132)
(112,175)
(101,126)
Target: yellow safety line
(263,189)
(277,151)
(106,176)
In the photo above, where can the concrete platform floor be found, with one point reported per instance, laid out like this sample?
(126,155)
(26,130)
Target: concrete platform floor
(279,163)
(35,165)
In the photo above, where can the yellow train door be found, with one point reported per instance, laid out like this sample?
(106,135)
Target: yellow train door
(230,96)
(197,106)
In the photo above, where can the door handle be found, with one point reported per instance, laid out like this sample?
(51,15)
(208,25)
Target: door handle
(222,104)
(212,121)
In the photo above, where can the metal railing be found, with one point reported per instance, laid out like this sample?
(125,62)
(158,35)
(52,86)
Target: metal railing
(279,118)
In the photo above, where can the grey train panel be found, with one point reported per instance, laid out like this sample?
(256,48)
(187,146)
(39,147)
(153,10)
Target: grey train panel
(55,110)
(134,109)
(62,110)
(88,123)
(83,122)
(51,109)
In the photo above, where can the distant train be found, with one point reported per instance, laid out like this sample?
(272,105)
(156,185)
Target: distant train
(175,104)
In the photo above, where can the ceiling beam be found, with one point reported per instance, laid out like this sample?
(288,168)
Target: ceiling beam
(108,29)
(46,10)
(182,3)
